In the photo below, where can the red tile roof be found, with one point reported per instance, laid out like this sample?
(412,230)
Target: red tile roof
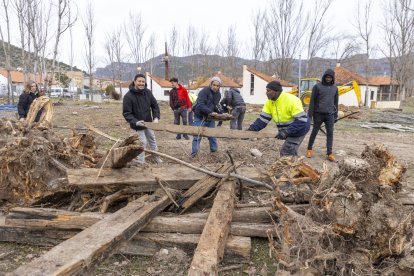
(268,78)
(343,75)
(18,77)
(225,81)
(382,80)
(162,82)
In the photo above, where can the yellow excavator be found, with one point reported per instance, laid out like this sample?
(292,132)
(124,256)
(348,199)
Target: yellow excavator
(306,85)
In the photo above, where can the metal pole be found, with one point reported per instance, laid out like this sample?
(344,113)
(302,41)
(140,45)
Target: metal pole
(300,65)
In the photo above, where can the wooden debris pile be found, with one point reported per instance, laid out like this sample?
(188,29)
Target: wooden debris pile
(355,223)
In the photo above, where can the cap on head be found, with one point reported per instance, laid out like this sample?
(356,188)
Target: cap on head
(215,79)
(275,86)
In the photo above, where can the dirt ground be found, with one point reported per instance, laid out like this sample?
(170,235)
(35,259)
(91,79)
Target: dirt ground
(349,140)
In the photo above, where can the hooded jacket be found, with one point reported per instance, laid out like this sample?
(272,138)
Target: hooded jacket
(25,101)
(324,98)
(234,99)
(139,105)
(179,98)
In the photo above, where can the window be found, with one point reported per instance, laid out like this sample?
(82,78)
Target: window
(251,84)
(166,92)
(388,93)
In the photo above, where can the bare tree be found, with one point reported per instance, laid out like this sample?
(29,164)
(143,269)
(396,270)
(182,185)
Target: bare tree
(119,56)
(189,45)
(259,38)
(231,50)
(89,25)
(134,30)
(174,47)
(204,49)
(150,52)
(402,38)
(21,7)
(364,27)
(65,19)
(318,33)
(109,51)
(343,46)
(6,48)
(286,25)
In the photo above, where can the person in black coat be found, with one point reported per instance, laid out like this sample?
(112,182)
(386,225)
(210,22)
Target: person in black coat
(139,106)
(323,108)
(30,93)
(208,103)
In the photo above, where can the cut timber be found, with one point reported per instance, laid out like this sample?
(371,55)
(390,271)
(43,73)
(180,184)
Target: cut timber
(143,180)
(80,253)
(43,218)
(210,248)
(201,188)
(119,157)
(144,244)
(211,132)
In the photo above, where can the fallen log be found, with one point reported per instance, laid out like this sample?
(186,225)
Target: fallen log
(142,244)
(78,254)
(211,132)
(143,180)
(56,219)
(210,248)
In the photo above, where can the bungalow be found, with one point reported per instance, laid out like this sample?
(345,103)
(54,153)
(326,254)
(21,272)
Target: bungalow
(160,87)
(383,92)
(254,85)
(226,83)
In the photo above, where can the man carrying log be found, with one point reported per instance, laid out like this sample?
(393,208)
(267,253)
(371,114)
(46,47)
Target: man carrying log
(287,111)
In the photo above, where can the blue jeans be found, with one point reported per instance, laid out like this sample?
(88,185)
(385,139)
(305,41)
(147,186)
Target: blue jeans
(197,139)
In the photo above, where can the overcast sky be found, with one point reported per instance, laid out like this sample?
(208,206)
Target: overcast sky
(212,16)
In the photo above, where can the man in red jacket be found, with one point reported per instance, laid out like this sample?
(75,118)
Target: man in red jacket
(180,103)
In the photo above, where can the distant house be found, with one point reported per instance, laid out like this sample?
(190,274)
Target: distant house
(254,85)
(160,87)
(226,83)
(383,92)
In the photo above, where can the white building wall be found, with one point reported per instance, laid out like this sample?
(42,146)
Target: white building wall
(350,99)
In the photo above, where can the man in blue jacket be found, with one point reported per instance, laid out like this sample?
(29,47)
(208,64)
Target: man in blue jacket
(323,108)
(287,111)
(207,104)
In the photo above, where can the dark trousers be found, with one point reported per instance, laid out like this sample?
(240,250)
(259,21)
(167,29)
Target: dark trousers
(329,120)
(238,115)
(180,113)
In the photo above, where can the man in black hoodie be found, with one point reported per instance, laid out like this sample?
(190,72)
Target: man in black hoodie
(140,106)
(323,108)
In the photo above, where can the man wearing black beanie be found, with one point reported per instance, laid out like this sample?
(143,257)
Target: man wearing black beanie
(287,111)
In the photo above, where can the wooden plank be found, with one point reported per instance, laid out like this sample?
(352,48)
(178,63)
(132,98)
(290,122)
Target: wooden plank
(78,254)
(201,188)
(119,157)
(143,179)
(43,218)
(212,132)
(142,244)
(210,248)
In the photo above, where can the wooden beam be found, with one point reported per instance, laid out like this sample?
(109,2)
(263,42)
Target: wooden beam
(143,179)
(43,218)
(210,248)
(212,132)
(142,244)
(118,157)
(78,254)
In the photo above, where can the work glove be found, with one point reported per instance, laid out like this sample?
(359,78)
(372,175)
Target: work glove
(155,120)
(213,113)
(282,135)
(22,119)
(140,124)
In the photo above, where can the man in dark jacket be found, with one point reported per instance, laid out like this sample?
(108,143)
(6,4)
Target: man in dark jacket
(323,108)
(139,106)
(238,108)
(180,104)
(207,104)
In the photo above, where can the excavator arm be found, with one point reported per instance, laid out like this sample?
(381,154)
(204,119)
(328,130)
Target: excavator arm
(353,85)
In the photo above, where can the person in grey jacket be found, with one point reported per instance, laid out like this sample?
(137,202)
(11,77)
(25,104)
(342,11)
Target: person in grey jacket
(140,106)
(238,108)
(323,108)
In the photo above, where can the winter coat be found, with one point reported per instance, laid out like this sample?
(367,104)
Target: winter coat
(23,106)
(234,99)
(324,98)
(207,102)
(179,98)
(139,105)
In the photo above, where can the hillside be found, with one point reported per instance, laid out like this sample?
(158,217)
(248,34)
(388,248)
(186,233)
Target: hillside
(16,58)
